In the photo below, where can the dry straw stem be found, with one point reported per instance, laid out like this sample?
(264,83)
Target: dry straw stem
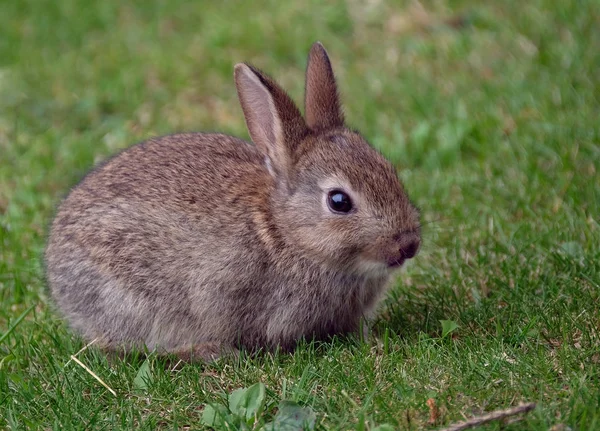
(94,375)
(82,365)
(82,349)
(489,417)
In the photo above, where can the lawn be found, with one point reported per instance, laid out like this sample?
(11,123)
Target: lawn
(490,111)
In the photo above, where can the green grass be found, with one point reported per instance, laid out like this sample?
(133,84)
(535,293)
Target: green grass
(493,124)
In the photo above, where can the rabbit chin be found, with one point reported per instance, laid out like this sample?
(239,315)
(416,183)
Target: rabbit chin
(373,268)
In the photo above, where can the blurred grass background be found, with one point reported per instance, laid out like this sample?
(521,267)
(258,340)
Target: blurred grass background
(490,111)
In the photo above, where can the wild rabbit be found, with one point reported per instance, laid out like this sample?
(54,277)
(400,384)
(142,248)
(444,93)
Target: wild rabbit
(198,244)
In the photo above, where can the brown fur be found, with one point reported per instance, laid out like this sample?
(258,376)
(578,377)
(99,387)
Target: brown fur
(197,244)
(321,100)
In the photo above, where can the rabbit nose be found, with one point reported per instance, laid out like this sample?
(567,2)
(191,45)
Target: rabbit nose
(409,250)
(408,245)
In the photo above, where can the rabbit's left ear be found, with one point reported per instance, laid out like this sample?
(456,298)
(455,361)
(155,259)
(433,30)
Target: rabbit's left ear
(274,122)
(321,101)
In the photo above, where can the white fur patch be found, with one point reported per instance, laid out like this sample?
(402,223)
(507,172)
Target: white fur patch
(371,268)
(269,166)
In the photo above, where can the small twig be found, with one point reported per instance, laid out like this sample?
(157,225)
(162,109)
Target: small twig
(81,350)
(489,417)
(93,374)
(176,365)
(434,411)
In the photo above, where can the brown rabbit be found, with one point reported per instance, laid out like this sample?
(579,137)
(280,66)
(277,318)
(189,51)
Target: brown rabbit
(197,244)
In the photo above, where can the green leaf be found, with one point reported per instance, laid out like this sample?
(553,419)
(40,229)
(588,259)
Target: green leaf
(255,400)
(248,403)
(214,416)
(572,249)
(143,377)
(292,417)
(236,401)
(384,427)
(448,327)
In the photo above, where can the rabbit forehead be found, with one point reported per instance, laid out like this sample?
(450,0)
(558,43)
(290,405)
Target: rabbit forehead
(345,160)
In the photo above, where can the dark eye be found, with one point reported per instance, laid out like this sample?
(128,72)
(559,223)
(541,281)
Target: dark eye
(339,202)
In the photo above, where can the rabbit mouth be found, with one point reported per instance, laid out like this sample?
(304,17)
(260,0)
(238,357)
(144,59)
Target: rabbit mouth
(395,263)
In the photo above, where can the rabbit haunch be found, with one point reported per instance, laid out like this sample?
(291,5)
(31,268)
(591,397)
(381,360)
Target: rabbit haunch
(198,244)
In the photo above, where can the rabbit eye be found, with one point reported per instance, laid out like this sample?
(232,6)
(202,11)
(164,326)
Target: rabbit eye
(339,202)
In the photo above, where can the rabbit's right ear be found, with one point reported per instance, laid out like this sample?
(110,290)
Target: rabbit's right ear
(321,102)
(274,122)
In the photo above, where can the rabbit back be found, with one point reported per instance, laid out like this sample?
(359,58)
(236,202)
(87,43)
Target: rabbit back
(133,241)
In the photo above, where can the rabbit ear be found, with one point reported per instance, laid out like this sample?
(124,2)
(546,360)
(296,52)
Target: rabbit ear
(321,101)
(274,122)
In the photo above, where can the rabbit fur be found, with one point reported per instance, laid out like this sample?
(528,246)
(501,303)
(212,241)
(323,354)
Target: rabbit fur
(198,244)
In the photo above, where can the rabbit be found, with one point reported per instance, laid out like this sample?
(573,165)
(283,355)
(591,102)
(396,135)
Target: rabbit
(200,244)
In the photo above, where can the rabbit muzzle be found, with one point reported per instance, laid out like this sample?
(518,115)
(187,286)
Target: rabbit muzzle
(404,246)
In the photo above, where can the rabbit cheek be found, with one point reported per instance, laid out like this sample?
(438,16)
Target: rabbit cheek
(331,248)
